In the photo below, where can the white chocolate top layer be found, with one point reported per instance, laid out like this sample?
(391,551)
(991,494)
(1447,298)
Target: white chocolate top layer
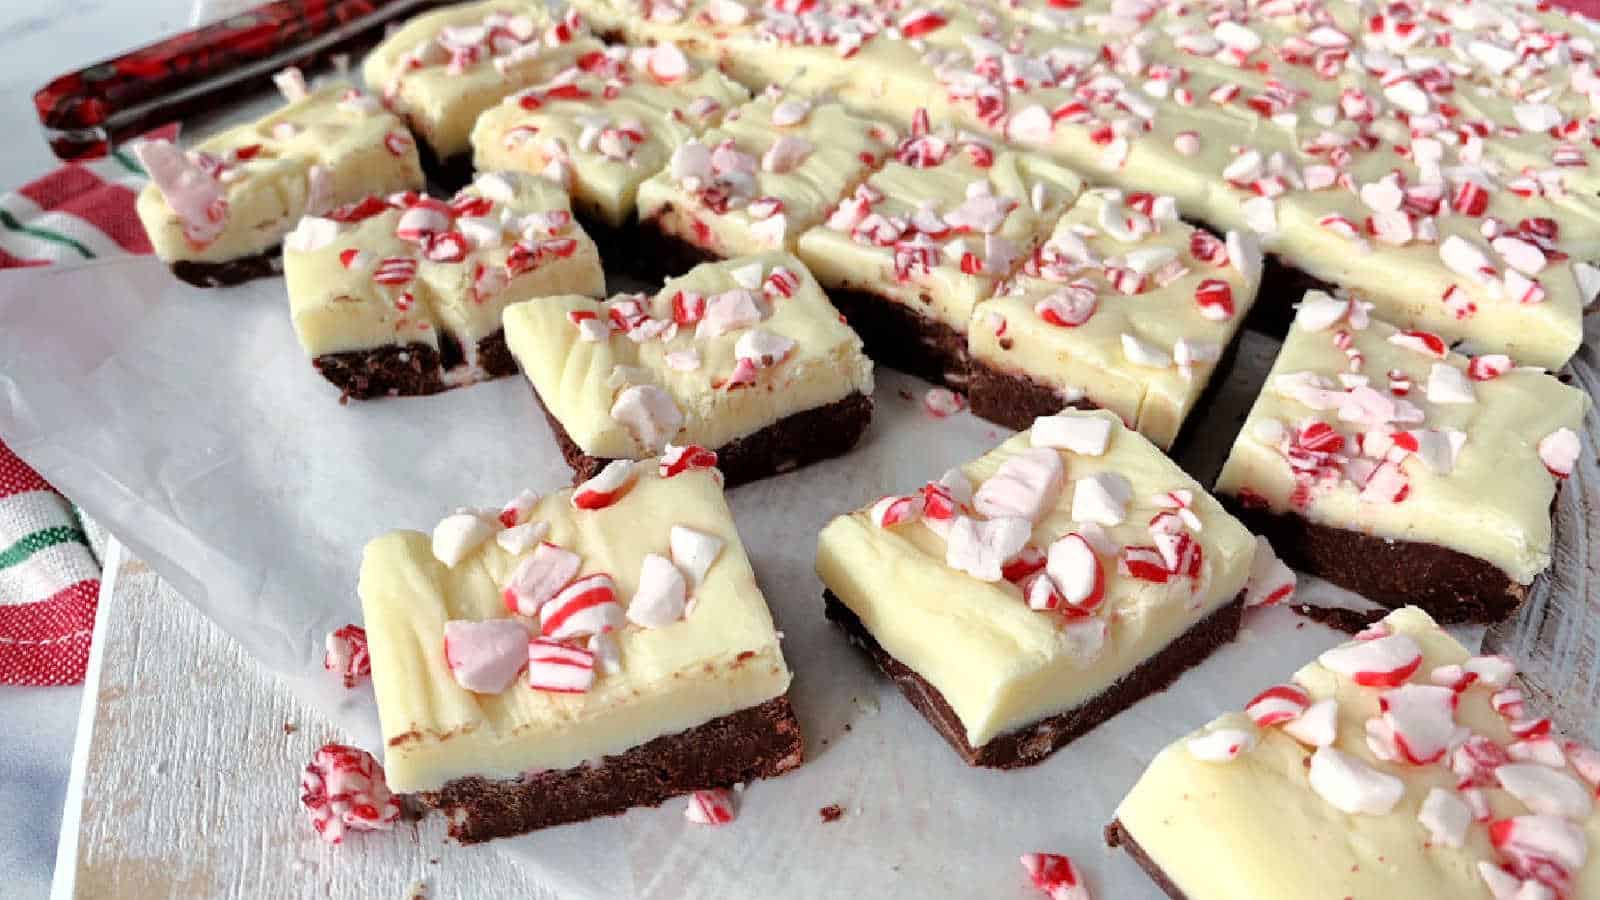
(723,656)
(331,147)
(1352,144)
(442,69)
(1000,664)
(940,225)
(1476,482)
(580,371)
(605,125)
(396,271)
(1162,301)
(752,184)
(1254,826)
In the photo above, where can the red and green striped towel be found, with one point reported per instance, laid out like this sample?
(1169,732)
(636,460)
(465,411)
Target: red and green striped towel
(49,578)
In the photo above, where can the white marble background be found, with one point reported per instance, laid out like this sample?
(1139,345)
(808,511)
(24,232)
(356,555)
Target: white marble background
(39,41)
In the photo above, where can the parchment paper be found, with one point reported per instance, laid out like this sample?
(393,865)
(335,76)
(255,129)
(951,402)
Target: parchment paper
(190,423)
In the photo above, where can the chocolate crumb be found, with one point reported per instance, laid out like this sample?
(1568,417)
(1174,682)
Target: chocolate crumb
(1350,621)
(906,395)
(830,813)
(290,728)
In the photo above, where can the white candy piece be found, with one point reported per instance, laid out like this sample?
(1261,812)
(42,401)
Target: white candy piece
(519,539)
(1318,726)
(1446,817)
(1088,435)
(1143,353)
(1075,570)
(1492,671)
(694,552)
(982,548)
(728,311)
(1386,661)
(649,414)
(538,577)
(1024,486)
(1547,791)
(1222,745)
(1270,582)
(1101,498)
(661,596)
(1421,719)
(1448,384)
(458,535)
(1352,786)
(1559,450)
(311,234)
(485,657)
(1319,312)
(764,348)
(606,651)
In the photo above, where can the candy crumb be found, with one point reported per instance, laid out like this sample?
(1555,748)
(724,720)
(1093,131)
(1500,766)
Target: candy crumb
(830,813)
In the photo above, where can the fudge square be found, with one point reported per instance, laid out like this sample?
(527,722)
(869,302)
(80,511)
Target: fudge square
(217,213)
(1125,308)
(403,294)
(1022,600)
(1378,460)
(1396,765)
(909,254)
(442,69)
(606,124)
(746,358)
(576,655)
(774,168)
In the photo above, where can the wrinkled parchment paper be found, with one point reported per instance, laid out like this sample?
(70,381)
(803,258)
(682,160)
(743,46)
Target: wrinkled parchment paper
(189,422)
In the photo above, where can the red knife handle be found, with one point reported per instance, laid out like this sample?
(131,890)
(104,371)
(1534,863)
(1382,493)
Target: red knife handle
(86,112)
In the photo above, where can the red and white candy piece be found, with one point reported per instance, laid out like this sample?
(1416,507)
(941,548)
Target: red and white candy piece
(713,807)
(1278,705)
(1448,384)
(607,487)
(459,534)
(890,511)
(197,199)
(1055,875)
(1068,307)
(1547,791)
(1318,726)
(1382,662)
(694,552)
(649,414)
(677,460)
(346,654)
(1077,572)
(1221,745)
(1083,433)
(1215,299)
(1270,582)
(943,402)
(584,607)
(1352,786)
(1025,485)
(1558,450)
(485,657)
(343,788)
(982,548)
(516,510)
(1488,367)
(559,668)
(1543,848)
(1420,720)
(1101,498)
(661,596)
(538,577)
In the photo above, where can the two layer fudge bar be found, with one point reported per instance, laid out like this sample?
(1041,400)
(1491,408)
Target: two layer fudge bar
(745,357)
(1125,308)
(403,294)
(602,127)
(1028,597)
(217,213)
(908,255)
(443,69)
(575,656)
(1381,461)
(1397,765)
(773,169)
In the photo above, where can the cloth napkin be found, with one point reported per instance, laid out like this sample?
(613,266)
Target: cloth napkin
(49,577)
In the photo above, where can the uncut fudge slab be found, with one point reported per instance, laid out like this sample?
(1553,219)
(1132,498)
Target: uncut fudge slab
(403,294)
(910,253)
(575,656)
(1125,308)
(1031,595)
(774,168)
(217,213)
(745,357)
(1396,765)
(442,69)
(606,124)
(1382,462)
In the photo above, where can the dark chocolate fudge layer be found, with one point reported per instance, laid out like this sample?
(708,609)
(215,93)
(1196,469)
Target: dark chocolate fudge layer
(1030,745)
(900,337)
(1117,837)
(759,742)
(265,264)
